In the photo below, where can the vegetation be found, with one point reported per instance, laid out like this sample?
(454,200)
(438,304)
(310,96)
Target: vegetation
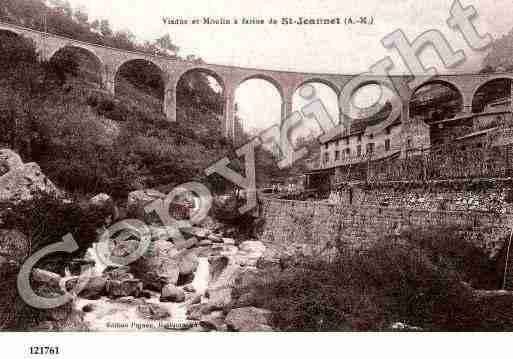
(88,141)
(499,56)
(418,279)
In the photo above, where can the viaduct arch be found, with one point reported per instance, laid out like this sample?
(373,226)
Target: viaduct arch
(287,82)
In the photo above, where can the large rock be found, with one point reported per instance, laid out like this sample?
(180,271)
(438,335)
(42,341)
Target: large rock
(138,200)
(188,264)
(173,294)
(124,248)
(20,182)
(252,247)
(125,288)
(105,203)
(197,232)
(152,311)
(94,288)
(158,266)
(9,160)
(220,298)
(14,245)
(118,273)
(250,253)
(214,321)
(46,280)
(249,319)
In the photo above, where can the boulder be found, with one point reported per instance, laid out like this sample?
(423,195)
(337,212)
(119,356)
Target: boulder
(188,264)
(105,203)
(94,288)
(78,266)
(125,288)
(124,248)
(219,298)
(193,298)
(158,266)
(229,241)
(252,247)
(9,160)
(215,238)
(189,288)
(196,232)
(164,233)
(196,311)
(189,243)
(250,253)
(214,321)
(14,245)
(224,272)
(88,308)
(46,280)
(171,293)
(249,319)
(152,311)
(22,182)
(138,200)
(118,273)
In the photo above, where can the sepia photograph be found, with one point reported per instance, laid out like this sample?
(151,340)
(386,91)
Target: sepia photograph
(244,167)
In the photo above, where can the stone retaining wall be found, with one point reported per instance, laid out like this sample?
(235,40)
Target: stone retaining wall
(318,228)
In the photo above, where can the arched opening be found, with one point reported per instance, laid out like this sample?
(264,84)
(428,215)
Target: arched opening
(435,101)
(258,105)
(369,104)
(494,95)
(328,94)
(200,98)
(141,81)
(77,62)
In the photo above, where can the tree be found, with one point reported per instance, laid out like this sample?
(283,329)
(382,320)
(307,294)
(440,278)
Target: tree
(63,6)
(124,39)
(105,28)
(167,45)
(82,16)
(95,25)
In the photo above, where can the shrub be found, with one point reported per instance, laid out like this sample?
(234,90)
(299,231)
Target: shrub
(414,281)
(46,219)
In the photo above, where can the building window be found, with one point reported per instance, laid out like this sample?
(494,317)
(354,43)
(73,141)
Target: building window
(359,138)
(337,155)
(347,141)
(326,146)
(387,131)
(371,136)
(387,145)
(359,150)
(409,143)
(326,157)
(348,152)
(370,148)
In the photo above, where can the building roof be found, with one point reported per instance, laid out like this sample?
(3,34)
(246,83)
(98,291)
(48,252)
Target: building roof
(359,126)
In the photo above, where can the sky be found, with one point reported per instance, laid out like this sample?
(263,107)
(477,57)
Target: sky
(308,48)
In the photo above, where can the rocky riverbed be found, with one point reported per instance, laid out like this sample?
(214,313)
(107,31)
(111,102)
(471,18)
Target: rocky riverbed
(174,284)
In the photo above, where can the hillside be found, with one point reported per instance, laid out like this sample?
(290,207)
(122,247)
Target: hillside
(88,141)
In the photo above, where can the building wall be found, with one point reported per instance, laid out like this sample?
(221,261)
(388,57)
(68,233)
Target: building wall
(361,141)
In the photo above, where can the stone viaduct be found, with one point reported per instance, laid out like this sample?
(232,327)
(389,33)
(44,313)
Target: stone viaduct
(110,60)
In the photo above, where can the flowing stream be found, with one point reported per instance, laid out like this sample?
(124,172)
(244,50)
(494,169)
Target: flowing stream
(124,314)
